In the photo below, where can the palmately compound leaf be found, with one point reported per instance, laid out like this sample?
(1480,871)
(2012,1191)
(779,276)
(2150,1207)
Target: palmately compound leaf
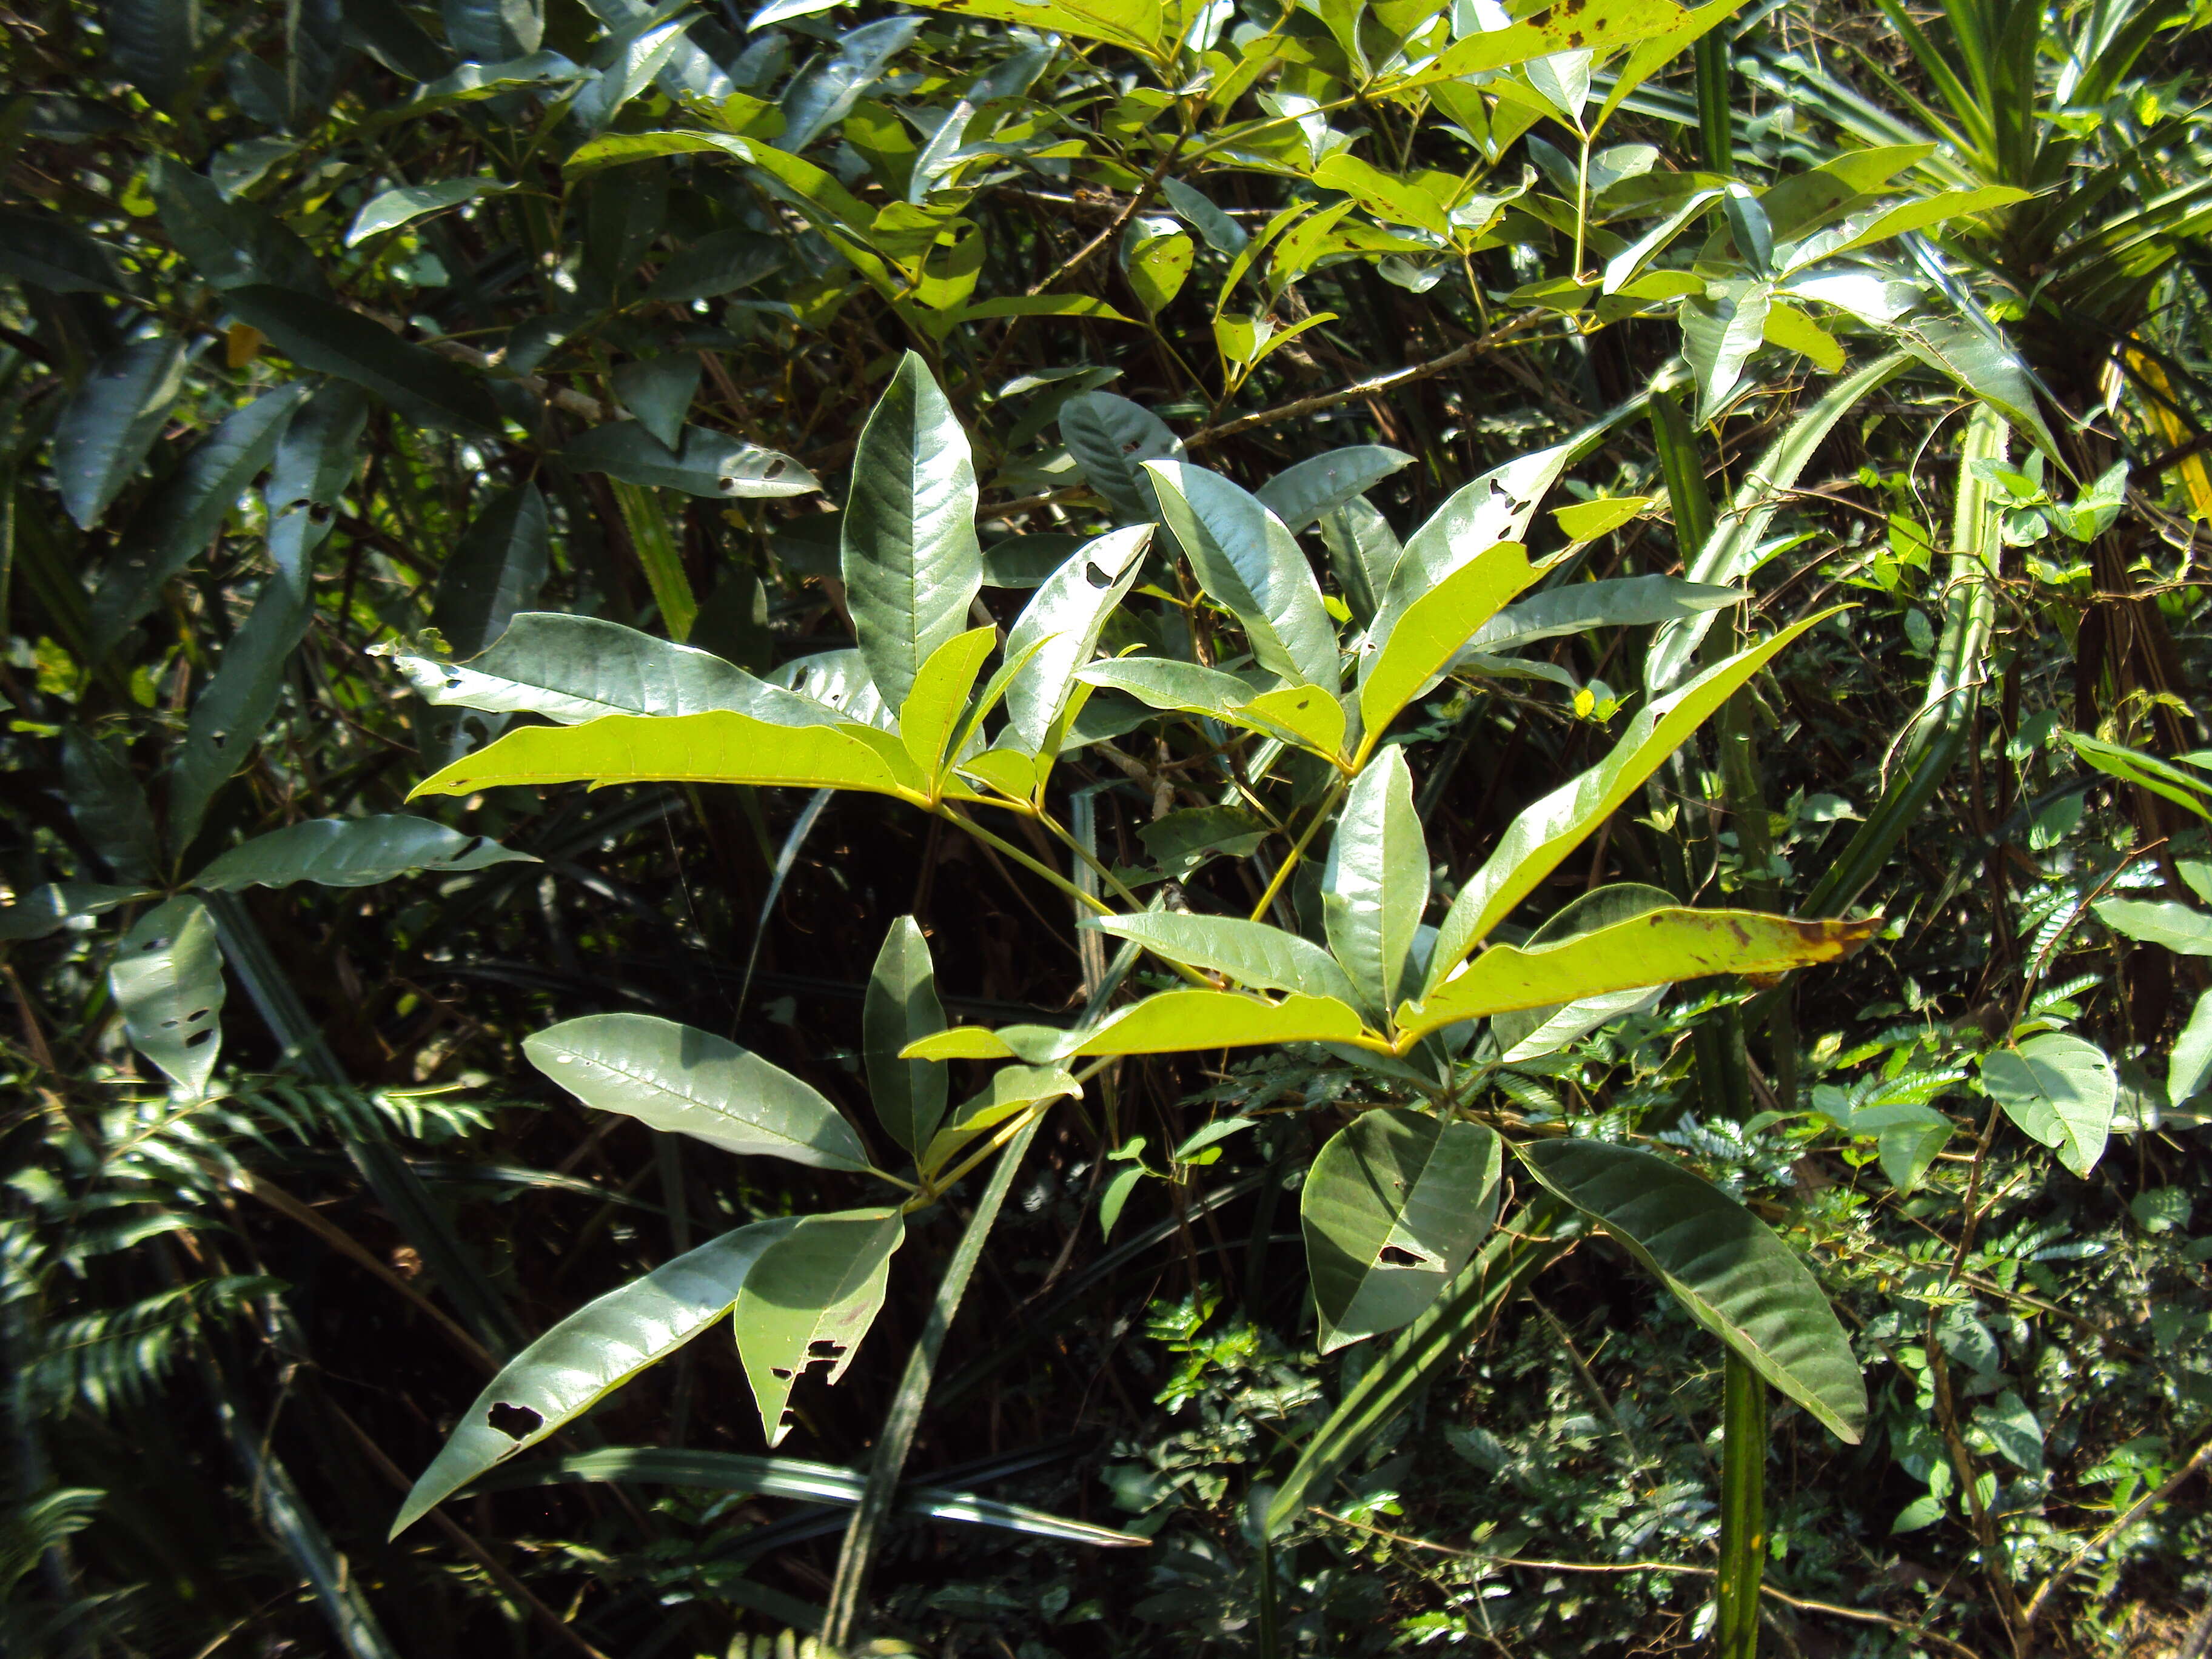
(1252,953)
(901,1007)
(808,1302)
(1536,842)
(167,980)
(352,852)
(1375,884)
(1656,948)
(908,549)
(713,748)
(587,1356)
(674,1077)
(574,669)
(1722,1263)
(2060,1090)
(1394,1205)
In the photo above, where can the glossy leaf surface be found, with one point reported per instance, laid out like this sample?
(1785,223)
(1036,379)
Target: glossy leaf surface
(809,1300)
(167,980)
(351,853)
(900,1006)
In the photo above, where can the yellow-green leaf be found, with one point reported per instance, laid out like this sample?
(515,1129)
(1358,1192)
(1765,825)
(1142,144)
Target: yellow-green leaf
(1434,627)
(940,692)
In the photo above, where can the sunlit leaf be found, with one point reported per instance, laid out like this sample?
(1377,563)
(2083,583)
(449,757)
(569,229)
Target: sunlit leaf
(808,1301)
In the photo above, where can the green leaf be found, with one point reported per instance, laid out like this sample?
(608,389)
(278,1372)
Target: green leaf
(1984,365)
(1523,1034)
(493,31)
(901,1007)
(1720,331)
(940,696)
(391,209)
(51,906)
(2061,1091)
(1722,1263)
(658,391)
(1431,630)
(167,981)
(1536,841)
(111,421)
(1907,1149)
(1362,551)
(155,43)
(51,253)
(574,669)
(1133,25)
(1250,952)
(2184,788)
(1731,553)
(706,463)
(2192,1053)
(1171,1023)
(1244,558)
(720,262)
(672,1077)
(2014,1428)
(1495,507)
(352,852)
(1321,484)
(1111,438)
(1613,602)
(228,715)
(317,334)
(588,1355)
(2184,931)
(1011,1090)
(1656,948)
(1375,885)
(495,572)
(231,244)
(1394,1206)
(1196,208)
(906,544)
(710,748)
(1166,683)
(1058,631)
(809,1300)
(1158,268)
(109,805)
(176,526)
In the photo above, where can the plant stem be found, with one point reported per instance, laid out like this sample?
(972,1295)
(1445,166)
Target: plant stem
(1743,1510)
(1336,786)
(866,1529)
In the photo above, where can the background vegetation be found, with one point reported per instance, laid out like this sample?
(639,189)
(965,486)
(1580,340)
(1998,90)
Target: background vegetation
(326,325)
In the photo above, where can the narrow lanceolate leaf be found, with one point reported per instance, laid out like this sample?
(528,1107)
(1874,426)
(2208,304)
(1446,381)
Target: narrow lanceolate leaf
(574,669)
(1722,1263)
(692,1082)
(1653,949)
(1535,843)
(2061,1091)
(587,1356)
(167,980)
(1376,882)
(391,209)
(1614,602)
(703,462)
(1731,553)
(908,546)
(228,715)
(808,1302)
(319,334)
(713,748)
(1244,558)
(351,853)
(1174,1022)
(1061,625)
(940,696)
(179,524)
(1433,628)
(1250,952)
(1301,494)
(1394,1206)
(1524,1033)
(495,572)
(111,421)
(902,1008)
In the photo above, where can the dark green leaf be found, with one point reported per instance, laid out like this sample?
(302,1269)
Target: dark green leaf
(495,572)
(351,853)
(1312,489)
(231,244)
(228,715)
(706,463)
(50,908)
(109,807)
(167,980)
(1058,631)
(808,1302)
(659,392)
(1244,558)
(331,339)
(111,421)
(1111,439)
(900,1006)
(41,249)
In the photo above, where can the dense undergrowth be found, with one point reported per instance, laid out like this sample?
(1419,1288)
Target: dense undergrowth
(336,337)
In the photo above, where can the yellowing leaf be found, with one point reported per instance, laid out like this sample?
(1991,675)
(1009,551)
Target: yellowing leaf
(1432,628)
(1585,521)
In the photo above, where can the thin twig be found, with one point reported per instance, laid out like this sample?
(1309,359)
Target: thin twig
(2203,1455)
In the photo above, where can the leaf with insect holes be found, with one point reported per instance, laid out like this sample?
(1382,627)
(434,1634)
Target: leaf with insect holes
(1395,1204)
(809,1300)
